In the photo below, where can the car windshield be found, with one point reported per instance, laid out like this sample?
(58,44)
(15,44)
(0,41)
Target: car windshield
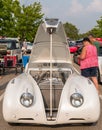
(59,52)
(71,44)
(11,44)
(29,44)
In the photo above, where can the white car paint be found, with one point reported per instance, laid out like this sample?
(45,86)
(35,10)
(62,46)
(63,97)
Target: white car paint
(48,85)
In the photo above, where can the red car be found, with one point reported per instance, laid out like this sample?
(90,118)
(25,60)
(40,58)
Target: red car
(99,40)
(72,47)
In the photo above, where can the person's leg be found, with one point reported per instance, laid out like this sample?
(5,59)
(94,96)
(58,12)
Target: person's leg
(95,81)
(91,73)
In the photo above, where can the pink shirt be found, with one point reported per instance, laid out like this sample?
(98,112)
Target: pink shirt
(91,59)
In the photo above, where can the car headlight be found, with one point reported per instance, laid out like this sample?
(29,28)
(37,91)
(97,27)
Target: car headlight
(26,99)
(76,99)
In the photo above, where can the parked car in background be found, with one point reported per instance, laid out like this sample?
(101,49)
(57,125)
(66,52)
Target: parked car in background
(29,47)
(99,40)
(72,47)
(99,71)
(100,65)
(13,47)
(79,43)
(3,50)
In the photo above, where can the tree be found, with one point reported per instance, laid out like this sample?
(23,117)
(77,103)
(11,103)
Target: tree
(71,31)
(6,19)
(17,20)
(97,30)
(28,20)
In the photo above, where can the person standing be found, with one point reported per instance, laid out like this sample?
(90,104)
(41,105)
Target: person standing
(24,47)
(95,42)
(89,61)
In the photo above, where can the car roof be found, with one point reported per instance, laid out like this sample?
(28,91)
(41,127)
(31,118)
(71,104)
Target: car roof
(7,40)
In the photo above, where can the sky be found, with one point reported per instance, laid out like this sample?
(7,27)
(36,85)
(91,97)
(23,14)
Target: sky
(81,13)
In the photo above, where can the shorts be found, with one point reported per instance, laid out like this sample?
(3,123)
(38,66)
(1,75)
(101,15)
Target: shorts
(89,72)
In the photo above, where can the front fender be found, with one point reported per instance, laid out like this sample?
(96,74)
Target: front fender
(84,113)
(13,110)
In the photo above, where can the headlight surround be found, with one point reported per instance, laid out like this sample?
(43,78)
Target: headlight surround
(76,99)
(26,99)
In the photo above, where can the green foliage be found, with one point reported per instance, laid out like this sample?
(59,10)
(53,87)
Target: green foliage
(23,21)
(17,20)
(29,20)
(6,19)
(71,31)
(97,30)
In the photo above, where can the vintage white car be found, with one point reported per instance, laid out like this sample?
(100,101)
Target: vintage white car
(51,91)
